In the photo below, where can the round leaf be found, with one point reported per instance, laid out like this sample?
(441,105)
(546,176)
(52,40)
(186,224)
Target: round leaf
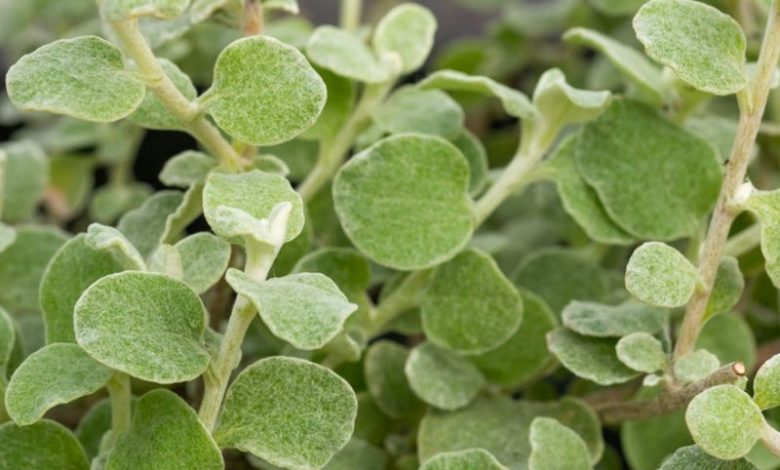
(591,358)
(152,113)
(693,458)
(695,365)
(592,319)
(641,352)
(144,324)
(561,104)
(766,385)
(463,460)
(387,383)
(554,446)
(204,259)
(657,274)
(23,178)
(410,109)
(45,444)
(729,337)
(265,92)
(729,284)
(187,168)
(344,54)
(408,31)
(442,378)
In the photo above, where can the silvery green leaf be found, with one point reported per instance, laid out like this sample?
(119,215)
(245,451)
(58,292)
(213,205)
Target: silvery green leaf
(470,306)
(144,324)
(289,412)
(383,367)
(476,156)
(307,309)
(110,241)
(766,384)
(58,373)
(642,449)
(166,260)
(463,460)
(407,30)
(617,7)
(118,10)
(45,444)
(591,358)
(705,47)
(560,103)
(341,97)
(110,202)
(556,447)
(23,180)
(271,164)
(442,378)
(245,204)
(153,113)
(657,274)
(410,109)
(693,458)
(345,54)
(730,338)
(73,268)
(82,77)
(71,179)
(641,352)
(404,201)
(189,209)
(728,287)
(358,454)
(695,365)
(593,319)
(345,266)
(166,434)
(724,421)
(187,168)
(22,265)
(145,227)
(764,205)
(95,423)
(204,258)
(264,92)
(515,103)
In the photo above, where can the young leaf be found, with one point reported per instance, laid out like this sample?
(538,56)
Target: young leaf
(341,97)
(82,77)
(766,385)
(58,373)
(345,54)
(187,169)
(146,226)
(562,104)
(515,103)
(45,444)
(111,242)
(384,364)
(641,352)
(152,113)
(695,365)
(556,447)
(204,258)
(264,92)
(706,48)
(408,31)
(118,10)
(144,324)
(476,156)
(591,358)
(289,412)
(23,180)
(307,310)
(728,287)
(404,201)
(166,260)
(657,274)
(463,460)
(164,426)
(644,200)
(470,306)
(724,421)
(592,319)
(441,378)
(764,205)
(693,458)
(410,109)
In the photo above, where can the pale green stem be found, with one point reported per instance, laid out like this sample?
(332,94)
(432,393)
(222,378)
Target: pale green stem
(752,104)
(771,438)
(187,112)
(120,394)
(744,241)
(403,298)
(351,12)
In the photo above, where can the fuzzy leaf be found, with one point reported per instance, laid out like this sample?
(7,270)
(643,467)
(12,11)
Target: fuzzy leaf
(463,460)
(307,309)
(144,324)
(706,48)
(404,201)
(164,426)
(58,373)
(152,113)
(345,54)
(591,358)
(730,338)
(289,412)
(407,30)
(693,458)
(109,203)
(729,284)
(695,365)
(204,259)
(23,180)
(724,421)
(358,454)
(345,266)
(387,383)
(7,236)
(476,156)
(71,179)
(592,319)
(562,104)
(441,378)
(641,352)
(410,109)
(766,385)
(187,168)
(766,207)
(110,241)
(264,92)
(290,6)
(166,260)
(657,274)
(341,97)
(117,10)
(642,449)
(82,77)
(45,444)
(146,226)
(556,447)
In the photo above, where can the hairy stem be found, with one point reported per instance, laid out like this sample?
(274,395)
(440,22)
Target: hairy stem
(187,112)
(350,14)
(744,241)
(752,104)
(403,298)
(771,438)
(120,395)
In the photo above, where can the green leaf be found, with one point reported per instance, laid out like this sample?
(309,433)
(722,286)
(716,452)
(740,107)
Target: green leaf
(639,439)
(410,109)
(264,92)
(22,180)
(407,30)
(153,113)
(476,156)
(341,97)
(764,204)
(632,63)
(45,444)
(22,265)
(641,352)
(730,337)
(345,266)
(71,180)
(243,204)
(144,324)
(441,378)
(592,319)
(657,274)
(345,54)
(706,48)
(58,373)
(7,236)
(95,423)
(118,10)
(165,426)
(73,268)
(404,201)
(384,364)
(524,356)
(693,458)
(204,258)
(554,446)
(82,77)
(724,421)
(290,6)
(470,306)
(646,202)
(463,460)
(111,242)
(728,287)
(695,365)
(110,202)
(8,342)
(289,412)
(358,454)
(515,103)
(591,358)
(187,168)
(166,260)
(307,310)
(560,103)
(146,226)
(766,385)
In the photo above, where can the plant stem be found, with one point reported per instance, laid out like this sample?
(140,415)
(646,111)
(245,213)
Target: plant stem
(771,438)
(187,112)
(120,395)
(350,14)
(403,298)
(744,241)
(752,103)
(253,18)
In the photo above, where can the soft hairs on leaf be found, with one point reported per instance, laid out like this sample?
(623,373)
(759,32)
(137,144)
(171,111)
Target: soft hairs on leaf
(45,444)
